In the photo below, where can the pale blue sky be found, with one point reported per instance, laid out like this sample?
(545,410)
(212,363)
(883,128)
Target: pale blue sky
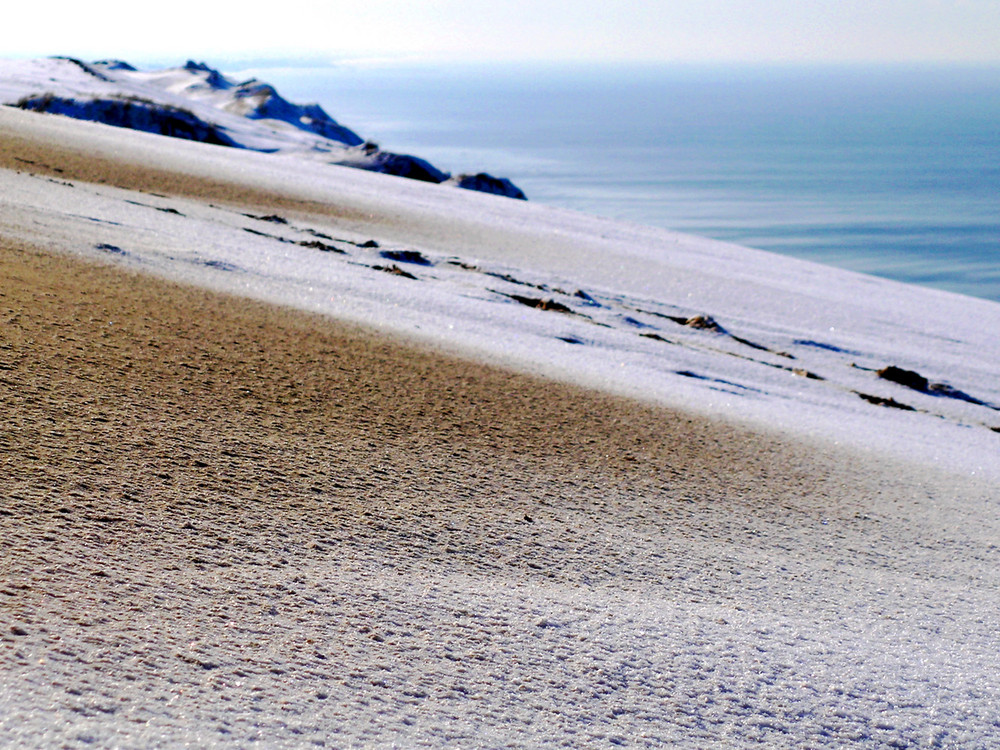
(594,30)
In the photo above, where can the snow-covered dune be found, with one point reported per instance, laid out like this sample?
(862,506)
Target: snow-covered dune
(229,522)
(197,102)
(717,328)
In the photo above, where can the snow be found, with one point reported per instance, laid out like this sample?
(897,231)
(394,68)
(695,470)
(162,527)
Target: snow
(615,307)
(783,318)
(250,114)
(197,89)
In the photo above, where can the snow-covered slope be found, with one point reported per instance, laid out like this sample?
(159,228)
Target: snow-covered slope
(705,325)
(197,102)
(718,623)
(253,99)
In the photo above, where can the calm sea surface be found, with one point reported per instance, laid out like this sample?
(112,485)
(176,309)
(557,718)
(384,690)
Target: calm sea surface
(891,171)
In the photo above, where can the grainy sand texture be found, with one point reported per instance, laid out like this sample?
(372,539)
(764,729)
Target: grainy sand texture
(225,523)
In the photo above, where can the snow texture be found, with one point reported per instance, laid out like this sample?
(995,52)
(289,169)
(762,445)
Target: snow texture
(793,347)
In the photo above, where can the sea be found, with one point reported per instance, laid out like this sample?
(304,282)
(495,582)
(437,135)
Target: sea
(888,170)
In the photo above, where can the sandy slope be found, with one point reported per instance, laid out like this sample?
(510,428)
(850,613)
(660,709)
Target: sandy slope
(226,522)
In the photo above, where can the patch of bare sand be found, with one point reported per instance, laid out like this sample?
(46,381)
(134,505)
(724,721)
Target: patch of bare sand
(28,151)
(224,521)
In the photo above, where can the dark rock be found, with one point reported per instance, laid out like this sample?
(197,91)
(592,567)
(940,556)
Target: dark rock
(215,79)
(272,218)
(321,246)
(703,323)
(89,70)
(315,233)
(114,65)
(263,102)
(758,347)
(888,402)
(509,278)
(394,269)
(549,305)
(196,67)
(487,183)
(401,165)
(251,230)
(135,114)
(405,256)
(908,378)
(803,373)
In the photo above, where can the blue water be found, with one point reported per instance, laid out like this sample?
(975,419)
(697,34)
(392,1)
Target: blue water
(891,171)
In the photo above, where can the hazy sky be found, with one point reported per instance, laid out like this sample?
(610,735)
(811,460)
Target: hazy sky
(660,30)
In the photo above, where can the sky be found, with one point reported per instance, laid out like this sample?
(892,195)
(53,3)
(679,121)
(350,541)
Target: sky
(761,31)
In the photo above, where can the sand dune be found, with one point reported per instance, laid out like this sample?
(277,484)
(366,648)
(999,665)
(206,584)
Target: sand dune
(228,522)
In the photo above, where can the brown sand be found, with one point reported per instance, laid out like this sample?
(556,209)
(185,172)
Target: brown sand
(27,151)
(125,395)
(224,521)
(188,478)
(160,442)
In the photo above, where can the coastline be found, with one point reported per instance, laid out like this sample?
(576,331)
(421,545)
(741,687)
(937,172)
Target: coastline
(232,521)
(830,163)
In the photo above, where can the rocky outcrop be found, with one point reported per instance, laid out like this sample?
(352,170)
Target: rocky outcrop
(400,165)
(213,78)
(136,114)
(257,100)
(907,378)
(487,183)
(114,65)
(260,101)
